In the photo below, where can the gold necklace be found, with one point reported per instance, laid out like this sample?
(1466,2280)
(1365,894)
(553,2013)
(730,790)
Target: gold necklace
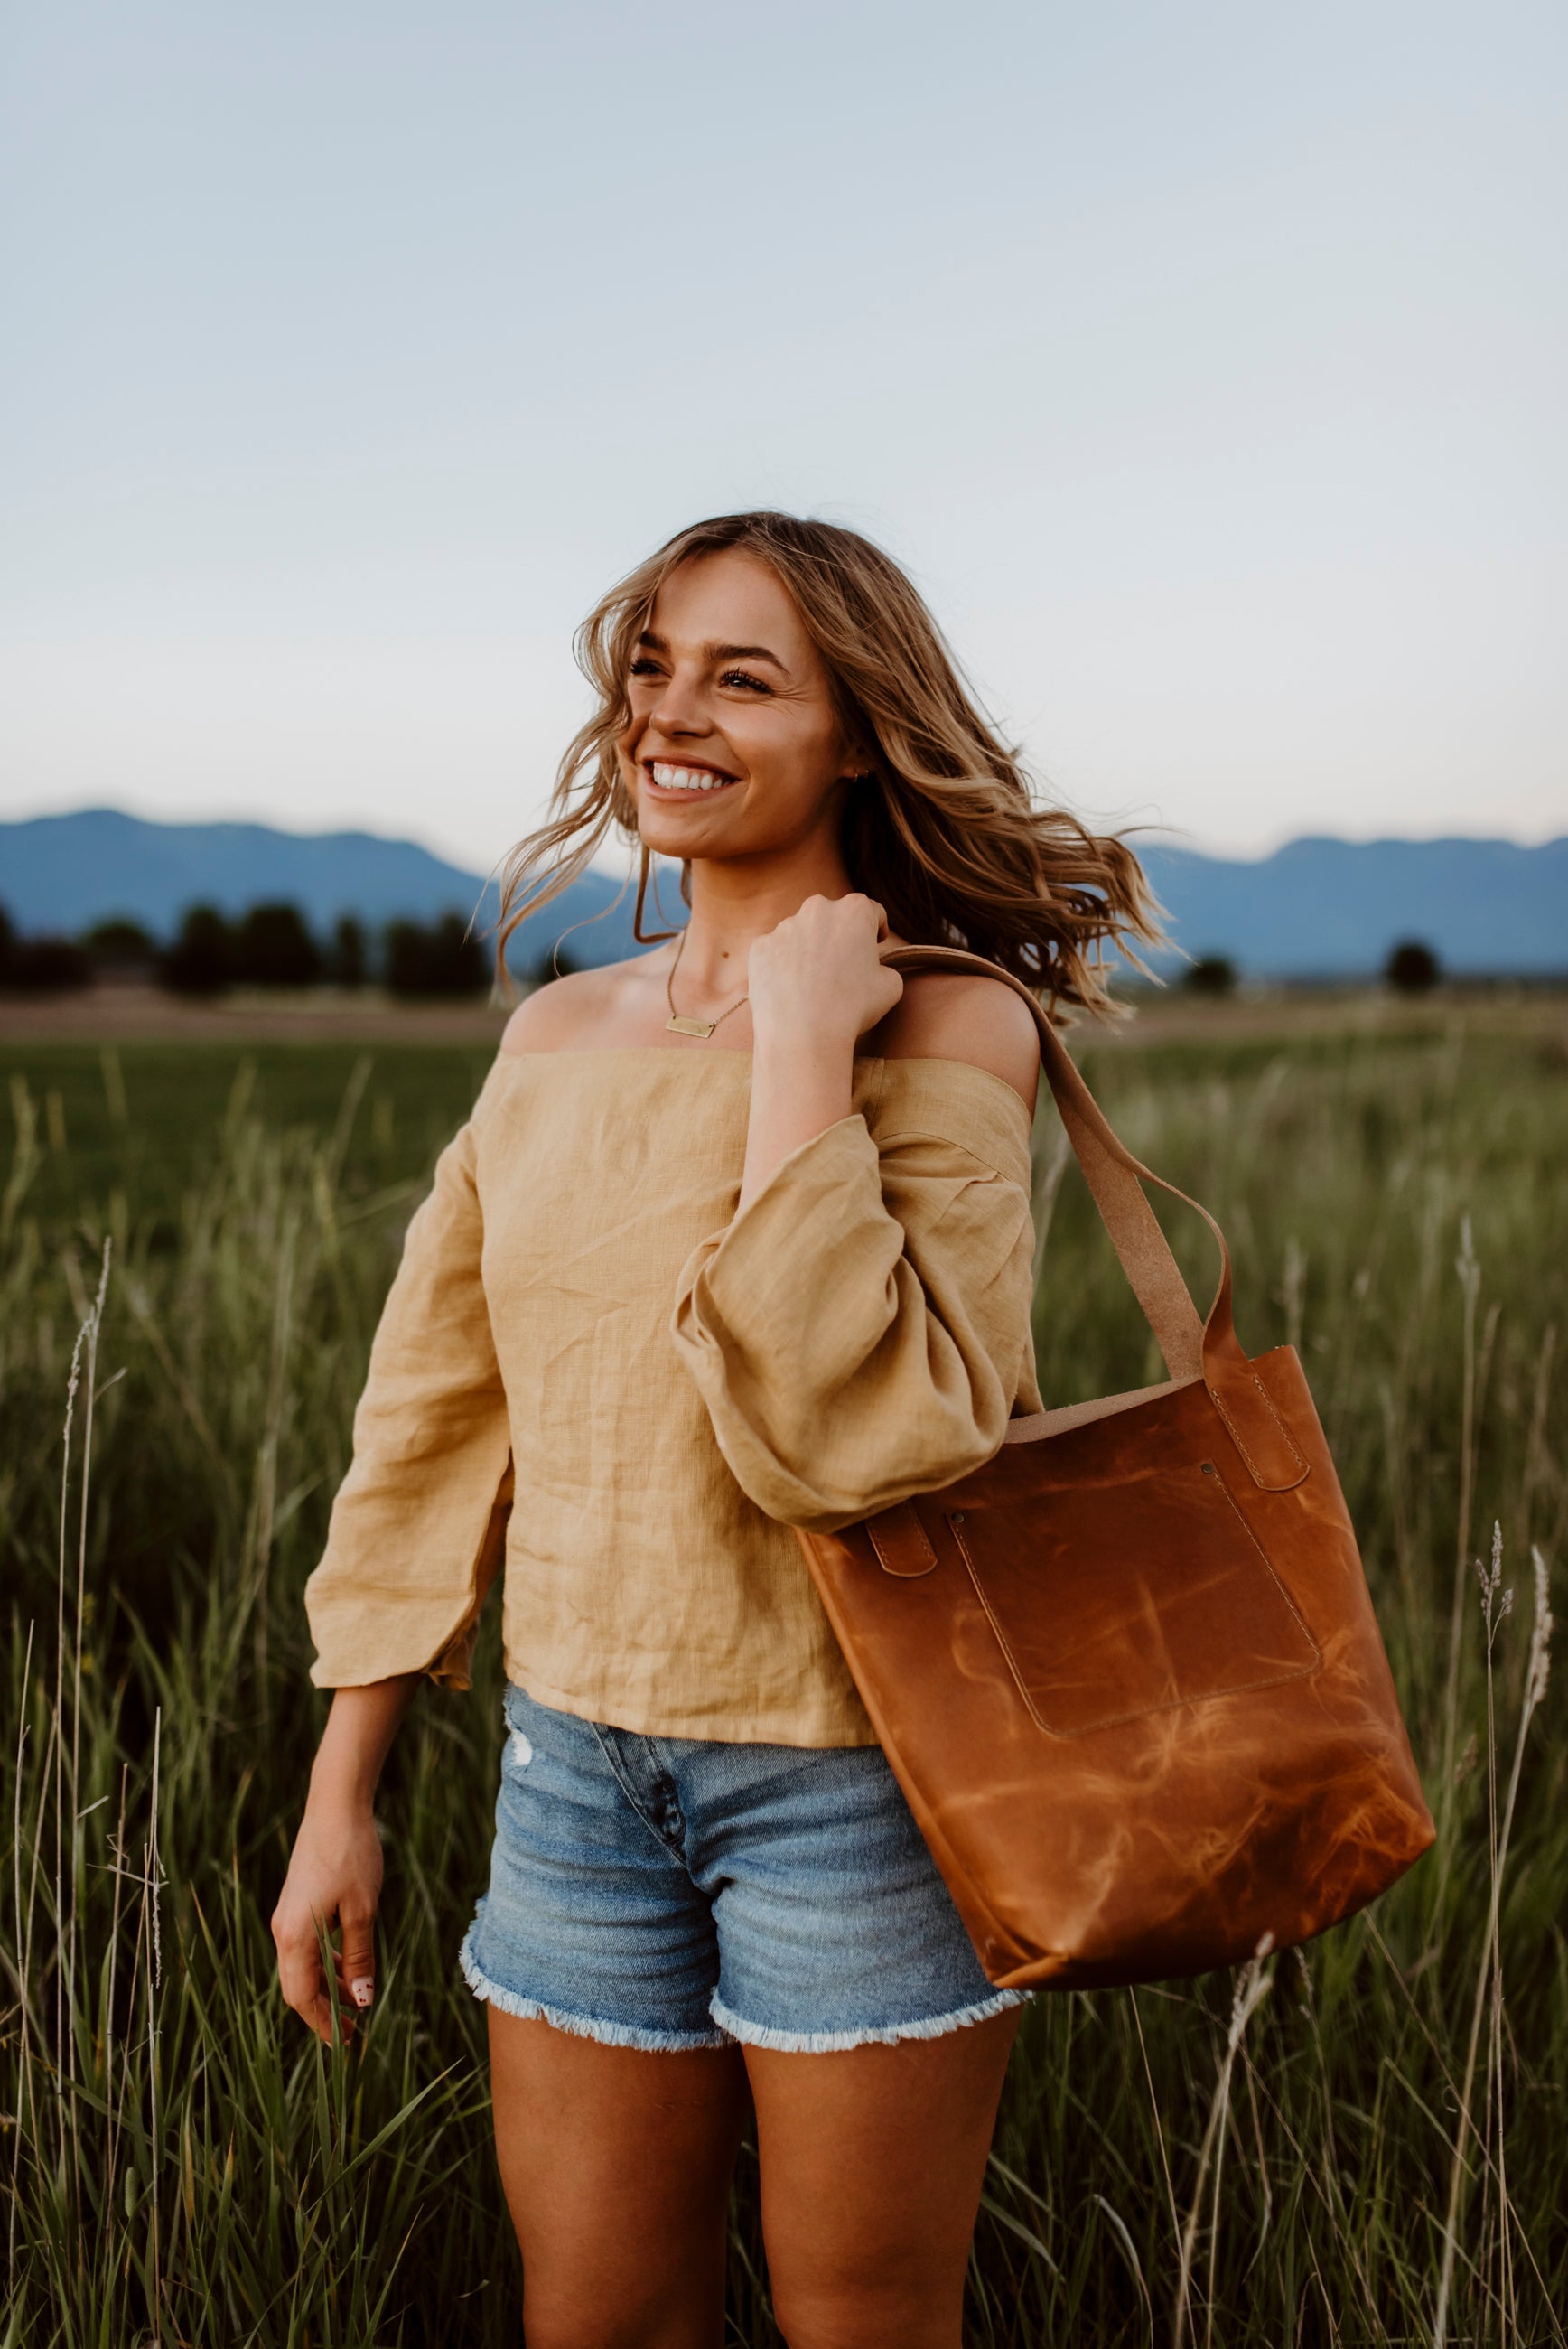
(677,1021)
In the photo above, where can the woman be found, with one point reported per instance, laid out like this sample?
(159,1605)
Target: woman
(736,1239)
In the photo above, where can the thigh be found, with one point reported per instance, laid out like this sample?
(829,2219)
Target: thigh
(872,2161)
(616,2166)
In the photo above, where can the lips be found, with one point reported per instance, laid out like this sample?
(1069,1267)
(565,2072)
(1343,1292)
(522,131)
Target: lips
(675,775)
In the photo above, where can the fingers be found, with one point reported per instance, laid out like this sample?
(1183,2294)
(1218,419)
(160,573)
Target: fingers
(318,2015)
(357,1963)
(818,919)
(299,1967)
(300,1975)
(868,907)
(332,1890)
(303,1977)
(862,904)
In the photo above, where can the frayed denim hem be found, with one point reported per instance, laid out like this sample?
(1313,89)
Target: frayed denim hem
(838,2042)
(583,2026)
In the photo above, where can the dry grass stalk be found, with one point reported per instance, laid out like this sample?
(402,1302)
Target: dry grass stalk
(1496,1604)
(1253,1986)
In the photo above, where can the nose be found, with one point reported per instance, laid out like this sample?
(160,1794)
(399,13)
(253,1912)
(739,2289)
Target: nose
(680,707)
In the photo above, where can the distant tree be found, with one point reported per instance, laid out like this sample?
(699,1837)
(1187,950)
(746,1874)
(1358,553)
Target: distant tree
(200,961)
(7,944)
(45,966)
(1210,975)
(120,944)
(1412,968)
(345,961)
(440,958)
(273,948)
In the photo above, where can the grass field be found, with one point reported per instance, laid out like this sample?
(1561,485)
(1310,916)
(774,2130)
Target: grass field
(1360,2143)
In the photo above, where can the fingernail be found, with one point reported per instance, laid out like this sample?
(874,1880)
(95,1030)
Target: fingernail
(363,1992)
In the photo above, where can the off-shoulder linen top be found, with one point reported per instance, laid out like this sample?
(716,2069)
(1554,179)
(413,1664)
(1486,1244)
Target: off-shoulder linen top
(590,1365)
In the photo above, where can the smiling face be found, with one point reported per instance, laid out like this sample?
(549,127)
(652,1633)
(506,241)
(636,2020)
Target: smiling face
(734,746)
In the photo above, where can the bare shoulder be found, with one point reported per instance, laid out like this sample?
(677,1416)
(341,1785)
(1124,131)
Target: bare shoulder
(562,1012)
(950,1016)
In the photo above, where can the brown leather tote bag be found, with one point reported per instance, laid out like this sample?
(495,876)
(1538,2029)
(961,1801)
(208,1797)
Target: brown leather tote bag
(1128,1673)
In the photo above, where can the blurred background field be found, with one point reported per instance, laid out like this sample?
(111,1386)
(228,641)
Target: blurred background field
(123,1129)
(1359,2144)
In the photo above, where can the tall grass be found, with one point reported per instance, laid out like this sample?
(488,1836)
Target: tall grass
(1359,2142)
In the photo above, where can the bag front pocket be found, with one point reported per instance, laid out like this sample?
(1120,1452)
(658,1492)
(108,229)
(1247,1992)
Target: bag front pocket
(1185,1607)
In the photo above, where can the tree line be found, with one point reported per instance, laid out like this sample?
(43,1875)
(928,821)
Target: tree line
(1410,968)
(271,945)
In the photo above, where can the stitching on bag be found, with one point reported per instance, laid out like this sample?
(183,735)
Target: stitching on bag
(1011,1661)
(954,1869)
(1232,1430)
(1167,1704)
(1268,1569)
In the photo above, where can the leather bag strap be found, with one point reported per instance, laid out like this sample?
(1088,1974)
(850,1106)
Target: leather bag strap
(1193,1347)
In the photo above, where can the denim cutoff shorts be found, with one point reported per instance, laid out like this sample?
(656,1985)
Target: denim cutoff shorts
(674,1893)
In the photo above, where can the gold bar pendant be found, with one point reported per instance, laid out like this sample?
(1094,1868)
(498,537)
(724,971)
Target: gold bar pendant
(682,1026)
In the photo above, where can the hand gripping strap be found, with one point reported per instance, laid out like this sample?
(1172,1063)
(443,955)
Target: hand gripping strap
(1208,1350)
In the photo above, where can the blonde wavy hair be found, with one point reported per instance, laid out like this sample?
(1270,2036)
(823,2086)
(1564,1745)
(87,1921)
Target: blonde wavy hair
(945,831)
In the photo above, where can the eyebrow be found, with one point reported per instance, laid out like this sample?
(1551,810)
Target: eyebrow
(715,653)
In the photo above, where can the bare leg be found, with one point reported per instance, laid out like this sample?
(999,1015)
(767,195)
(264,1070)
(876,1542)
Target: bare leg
(872,2162)
(616,2167)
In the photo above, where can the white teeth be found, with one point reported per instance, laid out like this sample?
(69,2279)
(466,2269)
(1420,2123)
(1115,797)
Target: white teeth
(686,779)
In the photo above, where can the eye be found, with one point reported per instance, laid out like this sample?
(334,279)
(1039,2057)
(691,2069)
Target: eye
(644,666)
(744,677)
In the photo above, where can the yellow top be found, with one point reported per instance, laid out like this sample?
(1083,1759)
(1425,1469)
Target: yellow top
(674,1385)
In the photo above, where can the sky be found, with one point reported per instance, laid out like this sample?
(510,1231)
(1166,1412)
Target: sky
(1204,365)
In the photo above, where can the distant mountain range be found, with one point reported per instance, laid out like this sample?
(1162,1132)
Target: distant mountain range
(1333,908)
(1315,909)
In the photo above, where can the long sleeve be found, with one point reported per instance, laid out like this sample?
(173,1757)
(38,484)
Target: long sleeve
(861,1331)
(418,1524)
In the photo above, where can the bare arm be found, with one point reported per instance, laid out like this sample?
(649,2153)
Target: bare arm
(334,1869)
(815,986)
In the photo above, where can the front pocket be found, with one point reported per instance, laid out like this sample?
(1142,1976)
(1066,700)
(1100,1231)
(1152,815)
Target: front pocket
(1112,1601)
